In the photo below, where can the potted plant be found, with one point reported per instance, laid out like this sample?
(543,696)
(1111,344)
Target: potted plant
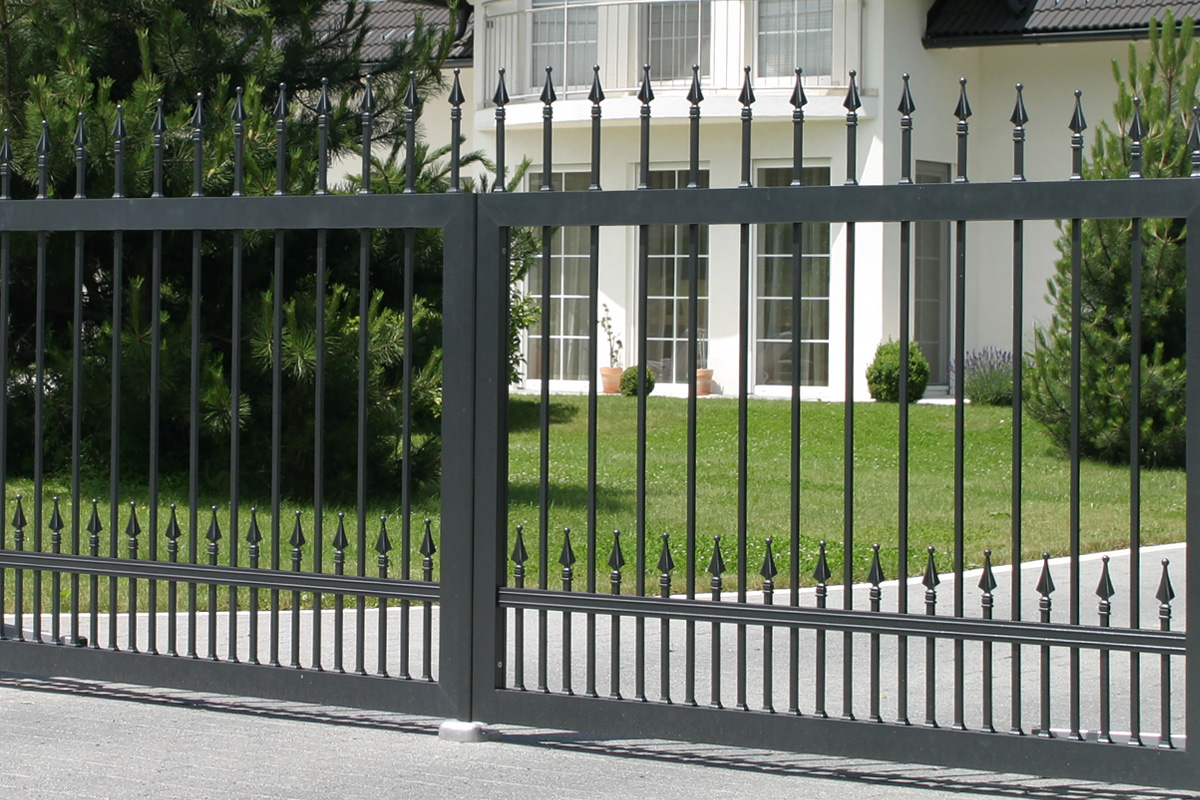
(610,376)
(703,373)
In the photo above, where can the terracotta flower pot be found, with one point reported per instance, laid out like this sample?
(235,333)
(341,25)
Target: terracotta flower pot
(703,382)
(610,379)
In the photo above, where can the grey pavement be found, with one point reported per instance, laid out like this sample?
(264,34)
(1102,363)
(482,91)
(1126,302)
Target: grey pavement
(63,737)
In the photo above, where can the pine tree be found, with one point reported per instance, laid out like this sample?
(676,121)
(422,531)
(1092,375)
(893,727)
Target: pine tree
(1165,84)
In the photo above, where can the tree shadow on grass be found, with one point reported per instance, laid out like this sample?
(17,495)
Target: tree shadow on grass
(527,416)
(572,497)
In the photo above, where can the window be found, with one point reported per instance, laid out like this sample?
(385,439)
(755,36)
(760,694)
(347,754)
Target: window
(564,37)
(677,35)
(775,311)
(669,286)
(569,291)
(931,282)
(795,33)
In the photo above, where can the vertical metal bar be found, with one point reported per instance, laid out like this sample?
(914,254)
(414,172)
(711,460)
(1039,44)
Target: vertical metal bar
(114,451)
(1135,429)
(519,556)
(43,151)
(456,99)
(665,564)
(987,583)
(94,529)
(253,537)
(159,128)
(876,595)
(744,341)
(1192,307)
(768,572)
(616,560)
(383,546)
(715,568)
(851,104)
(567,559)
(194,383)
(19,522)
(410,161)
(821,574)
(930,582)
(1165,595)
(173,534)
(427,551)
(906,109)
(545,323)
(364,366)
(1019,118)
(798,101)
(596,96)
(77,376)
(1044,588)
(962,112)
(56,526)
(319,439)
(1105,591)
(281,115)
(297,542)
(235,378)
(695,96)
(132,530)
(214,536)
(1076,357)
(339,567)
(5,296)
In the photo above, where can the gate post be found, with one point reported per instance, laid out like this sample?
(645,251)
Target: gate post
(1192,523)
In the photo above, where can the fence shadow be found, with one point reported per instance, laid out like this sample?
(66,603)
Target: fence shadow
(527,416)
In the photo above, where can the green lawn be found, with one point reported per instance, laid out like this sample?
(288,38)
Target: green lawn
(1104,506)
(988,522)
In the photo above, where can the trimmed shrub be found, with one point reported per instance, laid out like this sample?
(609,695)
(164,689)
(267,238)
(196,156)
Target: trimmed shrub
(629,382)
(883,376)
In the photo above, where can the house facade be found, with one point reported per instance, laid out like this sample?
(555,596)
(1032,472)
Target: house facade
(1052,47)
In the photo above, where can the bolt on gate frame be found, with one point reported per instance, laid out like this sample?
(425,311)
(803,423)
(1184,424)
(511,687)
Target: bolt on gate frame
(470,623)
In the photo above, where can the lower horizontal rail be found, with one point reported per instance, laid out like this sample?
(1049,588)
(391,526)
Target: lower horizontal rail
(323,583)
(850,621)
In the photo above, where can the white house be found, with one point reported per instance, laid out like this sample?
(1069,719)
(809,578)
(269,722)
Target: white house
(1052,47)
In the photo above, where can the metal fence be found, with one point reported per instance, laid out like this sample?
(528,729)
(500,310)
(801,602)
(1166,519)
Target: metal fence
(821,669)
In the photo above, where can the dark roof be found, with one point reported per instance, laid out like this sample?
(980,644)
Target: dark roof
(959,23)
(390,19)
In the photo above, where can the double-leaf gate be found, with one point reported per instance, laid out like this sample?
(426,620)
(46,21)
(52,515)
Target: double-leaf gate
(336,608)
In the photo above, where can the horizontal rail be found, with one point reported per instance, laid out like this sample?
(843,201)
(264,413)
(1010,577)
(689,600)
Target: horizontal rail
(322,583)
(836,619)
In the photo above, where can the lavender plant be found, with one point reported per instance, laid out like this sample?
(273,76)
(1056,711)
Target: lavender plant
(987,376)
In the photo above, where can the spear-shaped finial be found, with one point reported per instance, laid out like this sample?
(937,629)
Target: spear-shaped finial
(519,554)
(769,570)
(596,95)
(931,578)
(214,527)
(852,103)
(695,95)
(821,572)
(907,106)
(81,138)
(746,98)
(716,564)
(198,118)
(19,522)
(254,535)
(1019,115)
(1193,141)
(56,520)
(173,531)
(1166,592)
(875,576)
(239,107)
(646,93)
(340,540)
(94,527)
(616,559)
(1045,585)
(665,562)
(1078,123)
(1137,130)
(6,154)
(159,125)
(548,94)
(500,98)
(427,546)
(383,544)
(297,538)
(43,144)
(280,111)
(987,581)
(1105,590)
(133,528)
(566,558)
(798,99)
(324,105)
(411,101)
(456,97)
(963,110)
(367,105)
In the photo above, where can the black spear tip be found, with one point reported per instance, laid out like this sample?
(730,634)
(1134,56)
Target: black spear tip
(695,95)
(716,564)
(281,103)
(383,545)
(159,125)
(1019,116)
(596,95)
(214,527)
(987,581)
(43,145)
(852,103)
(519,554)
(1137,128)
(1166,592)
(548,94)
(410,95)
(297,539)
(198,118)
(340,542)
(6,149)
(907,106)
(173,531)
(567,557)
(1078,124)
(56,520)
(94,526)
(367,105)
(931,579)
(963,109)
(254,535)
(133,528)
(500,98)
(746,98)
(118,131)
(646,92)
(1045,585)
(427,546)
(799,99)
(1105,589)
(616,559)
(81,137)
(665,562)
(821,572)
(324,105)
(19,520)
(239,107)
(769,570)
(457,98)
(1193,136)
(875,576)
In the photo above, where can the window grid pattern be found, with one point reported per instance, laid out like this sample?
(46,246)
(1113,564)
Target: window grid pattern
(677,35)
(565,37)
(795,33)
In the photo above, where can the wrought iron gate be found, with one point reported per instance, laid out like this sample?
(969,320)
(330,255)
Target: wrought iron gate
(487,625)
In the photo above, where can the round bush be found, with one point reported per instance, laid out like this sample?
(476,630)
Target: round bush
(883,376)
(629,382)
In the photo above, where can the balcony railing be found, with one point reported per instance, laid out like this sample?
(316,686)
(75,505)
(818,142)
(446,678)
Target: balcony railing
(773,37)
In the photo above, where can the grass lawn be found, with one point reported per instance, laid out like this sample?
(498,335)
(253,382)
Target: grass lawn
(1104,505)
(988,523)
